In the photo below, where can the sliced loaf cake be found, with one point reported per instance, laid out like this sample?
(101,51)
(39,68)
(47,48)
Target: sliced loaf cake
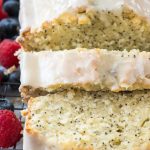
(68,24)
(79,120)
(91,70)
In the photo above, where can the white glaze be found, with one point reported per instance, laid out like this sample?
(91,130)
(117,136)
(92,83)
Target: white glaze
(34,12)
(106,68)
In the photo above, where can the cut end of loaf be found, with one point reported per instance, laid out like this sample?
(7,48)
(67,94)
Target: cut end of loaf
(90,29)
(97,120)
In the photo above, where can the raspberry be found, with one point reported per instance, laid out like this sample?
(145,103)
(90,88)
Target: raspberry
(2,13)
(10,129)
(7,50)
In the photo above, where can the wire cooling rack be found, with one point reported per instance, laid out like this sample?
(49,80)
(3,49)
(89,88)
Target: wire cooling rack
(9,91)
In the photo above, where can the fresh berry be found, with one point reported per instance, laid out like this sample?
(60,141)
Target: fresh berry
(10,129)
(1,73)
(7,51)
(15,77)
(14,80)
(2,13)
(5,104)
(14,37)
(3,77)
(9,27)
(10,0)
(12,8)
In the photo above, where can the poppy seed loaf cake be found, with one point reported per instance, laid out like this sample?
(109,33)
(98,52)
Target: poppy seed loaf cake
(68,24)
(79,120)
(91,70)
(85,74)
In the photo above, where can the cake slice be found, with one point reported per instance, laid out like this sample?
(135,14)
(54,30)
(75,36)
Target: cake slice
(79,120)
(68,24)
(91,70)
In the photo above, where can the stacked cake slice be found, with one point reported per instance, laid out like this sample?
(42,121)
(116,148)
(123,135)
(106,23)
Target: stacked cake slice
(85,74)
(68,24)
(79,120)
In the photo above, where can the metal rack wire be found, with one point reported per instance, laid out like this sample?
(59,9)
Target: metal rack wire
(9,91)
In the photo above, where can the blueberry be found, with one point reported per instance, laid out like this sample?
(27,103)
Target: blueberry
(15,77)
(12,8)
(10,0)
(14,37)
(5,104)
(3,77)
(1,74)
(8,28)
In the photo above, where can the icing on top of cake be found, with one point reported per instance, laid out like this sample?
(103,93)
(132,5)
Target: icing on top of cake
(114,70)
(35,12)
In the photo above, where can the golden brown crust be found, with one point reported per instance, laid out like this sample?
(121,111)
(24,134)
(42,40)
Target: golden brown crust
(74,146)
(145,146)
(28,91)
(28,128)
(24,113)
